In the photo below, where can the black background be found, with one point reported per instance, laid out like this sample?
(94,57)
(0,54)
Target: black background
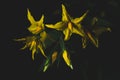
(91,63)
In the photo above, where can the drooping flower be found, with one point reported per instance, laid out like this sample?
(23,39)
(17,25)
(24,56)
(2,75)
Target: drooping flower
(34,44)
(68,25)
(93,33)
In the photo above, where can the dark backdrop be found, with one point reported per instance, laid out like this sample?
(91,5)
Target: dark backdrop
(91,63)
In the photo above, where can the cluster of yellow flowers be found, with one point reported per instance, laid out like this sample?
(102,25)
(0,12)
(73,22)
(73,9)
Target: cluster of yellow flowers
(40,38)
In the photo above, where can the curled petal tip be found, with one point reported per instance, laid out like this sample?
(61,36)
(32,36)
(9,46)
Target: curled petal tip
(109,29)
(62,5)
(71,67)
(45,68)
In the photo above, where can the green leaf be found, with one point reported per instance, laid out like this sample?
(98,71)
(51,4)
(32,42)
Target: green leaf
(46,65)
(84,42)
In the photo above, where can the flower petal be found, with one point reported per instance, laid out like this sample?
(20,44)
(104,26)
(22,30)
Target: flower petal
(78,20)
(58,26)
(30,17)
(67,58)
(67,34)
(40,22)
(34,29)
(21,39)
(65,15)
(33,52)
(43,36)
(93,39)
(33,44)
(70,26)
(24,47)
(77,29)
(41,49)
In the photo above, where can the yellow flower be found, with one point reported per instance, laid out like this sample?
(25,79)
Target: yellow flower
(36,26)
(34,44)
(68,25)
